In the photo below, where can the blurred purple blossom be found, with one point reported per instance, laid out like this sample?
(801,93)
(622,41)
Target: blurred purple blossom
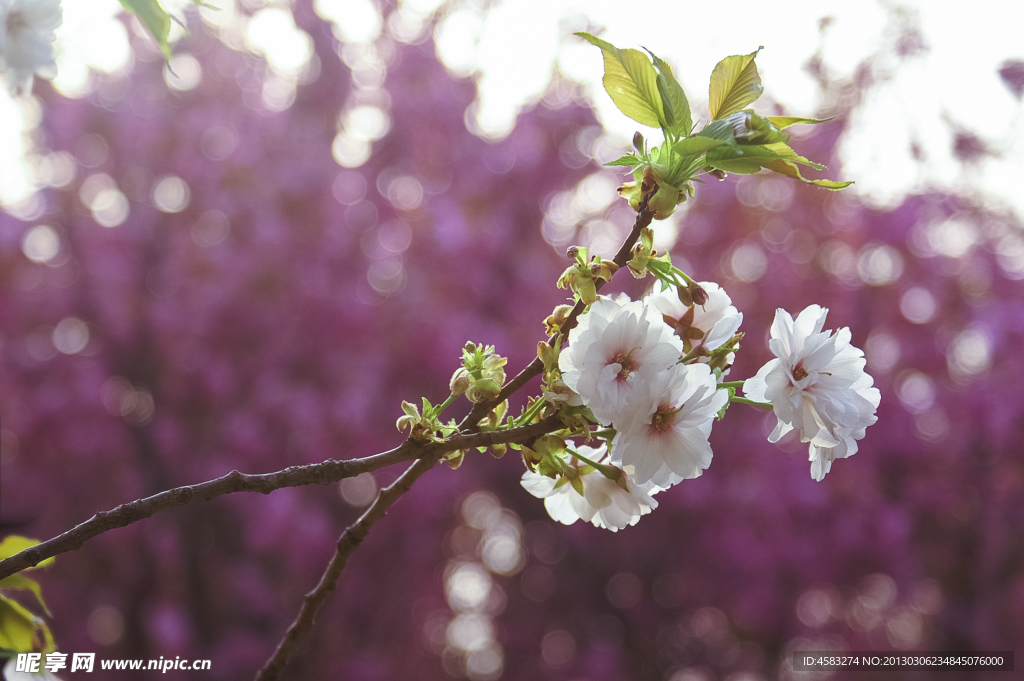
(285,312)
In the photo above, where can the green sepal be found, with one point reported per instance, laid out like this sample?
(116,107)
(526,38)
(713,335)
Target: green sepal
(19,581)
(735,83)
(732,394)
(577,484)
(631,81)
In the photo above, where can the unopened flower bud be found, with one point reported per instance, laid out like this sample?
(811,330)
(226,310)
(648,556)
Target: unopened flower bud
(459,382)
(699,295)
(483,390)
(557,317)
(638,141)
(498,450)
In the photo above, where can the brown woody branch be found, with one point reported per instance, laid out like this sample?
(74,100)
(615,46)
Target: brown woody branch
(424,454)
(322,473)
(354,535)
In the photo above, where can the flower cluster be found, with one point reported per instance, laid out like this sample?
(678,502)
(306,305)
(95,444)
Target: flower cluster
(26,41)
(651,373)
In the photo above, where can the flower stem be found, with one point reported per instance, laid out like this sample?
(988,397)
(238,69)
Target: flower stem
(731,384)
(744,400)
(530,413)
(610,472)
(444,405)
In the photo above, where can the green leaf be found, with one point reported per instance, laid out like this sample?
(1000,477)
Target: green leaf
(156,20)
(14,543)
(719,130)
(631,82)
(628,160)
(783,122)
(784,151)
(734,84)
(17,626)
(675,168)
(743,161)
(673,98)
(790,169)
(759,130)
(696,145)
(777,157)
(19,581)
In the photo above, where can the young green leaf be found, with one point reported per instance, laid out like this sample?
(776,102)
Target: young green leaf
(14,543)
(628,160)
(722,130)
(17,626)
(734,84)
(156,20)
(743,161)
(784,151)
(19,581)
(673,98)
(631,82)
(790,169)
(783,122)
(696,145)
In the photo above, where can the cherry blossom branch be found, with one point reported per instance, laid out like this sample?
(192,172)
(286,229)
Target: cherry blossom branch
(643,219)
(353,536)
(322,473)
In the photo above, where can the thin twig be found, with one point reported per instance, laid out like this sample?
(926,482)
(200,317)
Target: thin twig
(534,368)
(354,535)
(322,473)
(349,541)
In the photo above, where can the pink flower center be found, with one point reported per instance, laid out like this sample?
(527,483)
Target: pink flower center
(664,418)
(626,361)
(799,373)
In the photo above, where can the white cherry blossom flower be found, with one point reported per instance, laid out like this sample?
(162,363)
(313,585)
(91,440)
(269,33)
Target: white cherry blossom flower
(817,385)
(613,348)
(604,503)
(708,326)
(666,440)
(26,40)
